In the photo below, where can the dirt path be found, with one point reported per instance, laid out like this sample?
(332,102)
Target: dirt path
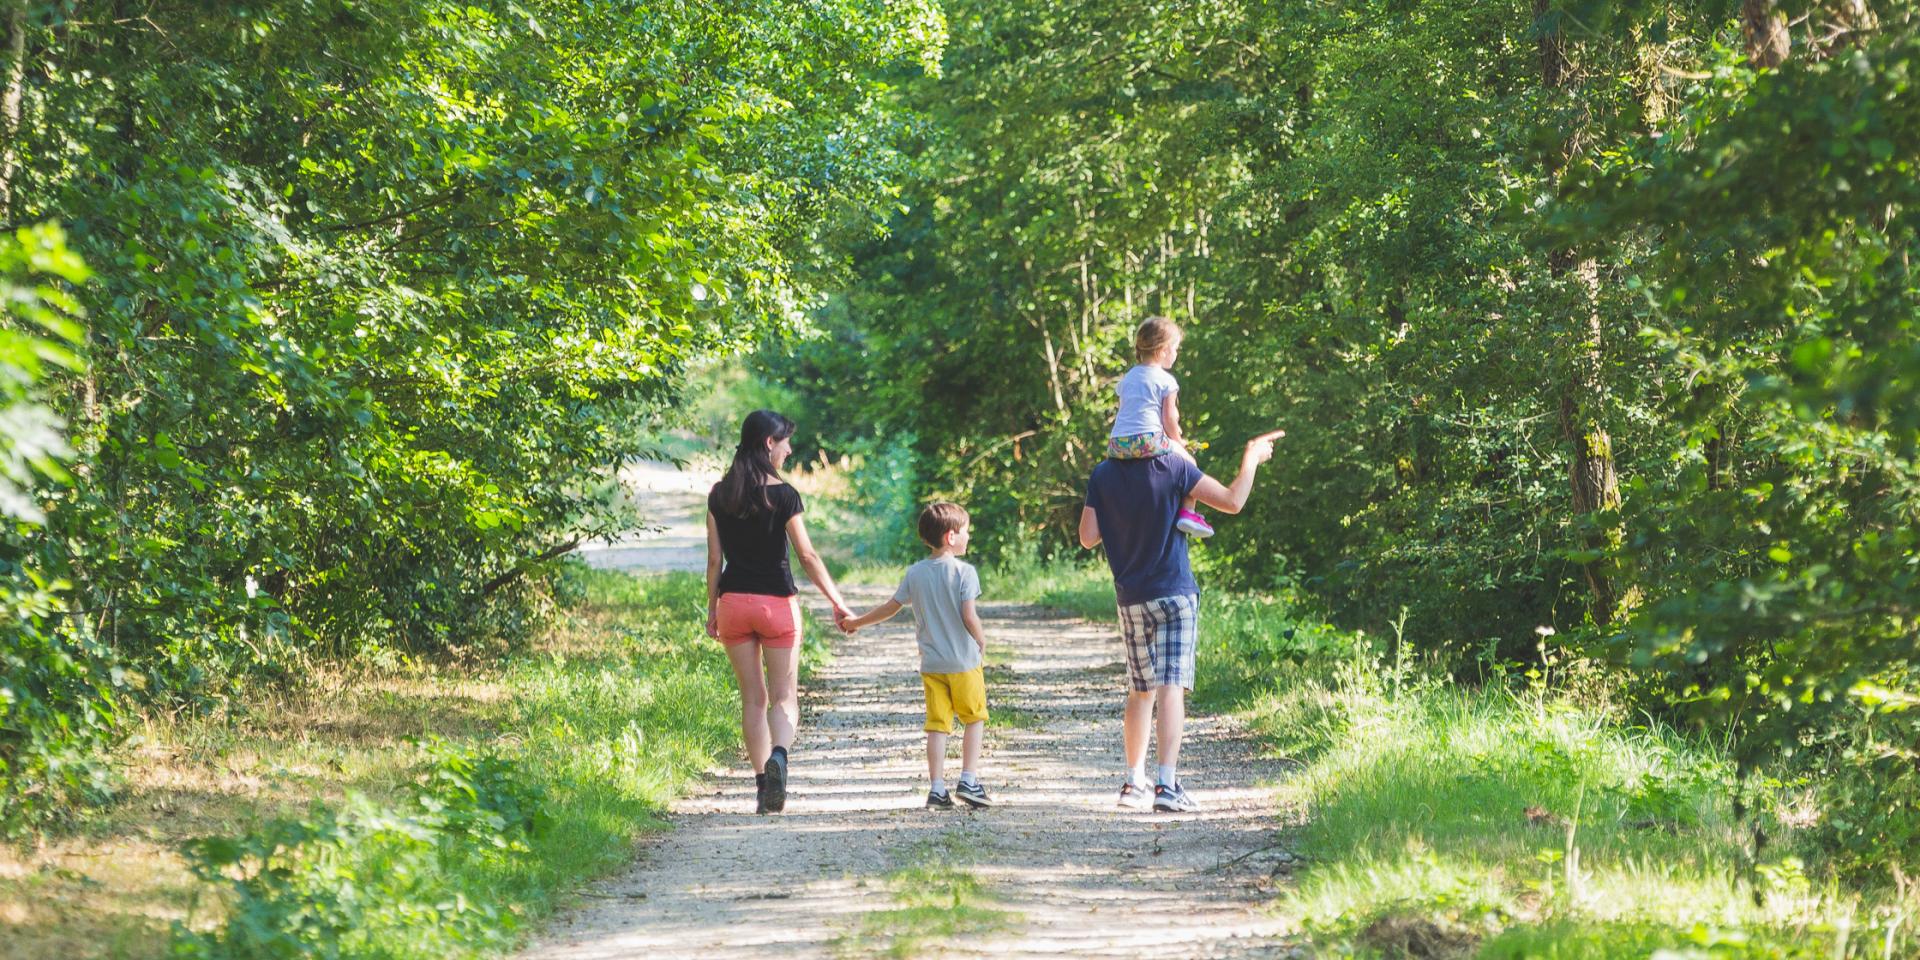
(1077,876)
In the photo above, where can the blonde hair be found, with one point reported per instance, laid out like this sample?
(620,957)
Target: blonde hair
(1152,336)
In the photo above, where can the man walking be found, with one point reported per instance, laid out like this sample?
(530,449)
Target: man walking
(1132,506)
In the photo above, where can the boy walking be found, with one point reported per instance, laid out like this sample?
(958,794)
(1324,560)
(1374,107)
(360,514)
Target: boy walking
(941,589)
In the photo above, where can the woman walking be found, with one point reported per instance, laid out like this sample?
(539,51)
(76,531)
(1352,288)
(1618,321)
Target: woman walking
(752,605)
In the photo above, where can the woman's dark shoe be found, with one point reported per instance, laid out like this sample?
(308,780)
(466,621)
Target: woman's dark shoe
(776,793)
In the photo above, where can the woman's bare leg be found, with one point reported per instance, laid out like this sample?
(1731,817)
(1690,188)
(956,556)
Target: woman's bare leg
(745,658)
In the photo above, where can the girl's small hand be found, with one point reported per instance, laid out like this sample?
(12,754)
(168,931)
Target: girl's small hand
(713,624)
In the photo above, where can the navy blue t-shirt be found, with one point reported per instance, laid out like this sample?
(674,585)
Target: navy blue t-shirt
(1136,502)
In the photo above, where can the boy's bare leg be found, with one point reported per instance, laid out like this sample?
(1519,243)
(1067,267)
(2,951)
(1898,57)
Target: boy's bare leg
(936,755)
(1136,723)
(970,746)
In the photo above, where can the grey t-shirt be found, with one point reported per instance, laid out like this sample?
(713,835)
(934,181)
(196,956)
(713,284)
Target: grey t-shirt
(935,588)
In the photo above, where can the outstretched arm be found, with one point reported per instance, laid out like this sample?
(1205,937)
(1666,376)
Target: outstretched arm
(1230,499)
(877,614)
(815,567)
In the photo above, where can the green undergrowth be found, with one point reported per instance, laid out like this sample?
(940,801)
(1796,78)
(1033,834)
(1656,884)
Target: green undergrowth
(1080,589)
(1527,816)
(598,735)
(942,907)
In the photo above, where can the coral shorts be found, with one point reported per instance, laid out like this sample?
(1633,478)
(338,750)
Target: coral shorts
(772,621)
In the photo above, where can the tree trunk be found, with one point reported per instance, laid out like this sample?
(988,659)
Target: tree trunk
(1594,483)
(16,75)
(1766,31)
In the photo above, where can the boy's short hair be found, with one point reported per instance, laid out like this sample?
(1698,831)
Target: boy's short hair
(1152,335)
(939,519)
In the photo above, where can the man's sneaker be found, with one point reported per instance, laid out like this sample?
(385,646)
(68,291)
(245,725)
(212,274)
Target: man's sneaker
(939,800)
(760,793)
(1193,524)
(975,794)
(777,782)
(1173,799)
(1134,796)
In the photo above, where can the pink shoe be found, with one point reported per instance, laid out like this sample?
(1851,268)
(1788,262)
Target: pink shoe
(1193,524)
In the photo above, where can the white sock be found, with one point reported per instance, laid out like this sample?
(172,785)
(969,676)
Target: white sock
(969,779)
(1167,778)
(1139,774)
(939,786)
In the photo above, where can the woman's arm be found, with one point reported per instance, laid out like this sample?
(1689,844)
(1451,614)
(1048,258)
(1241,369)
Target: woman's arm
(816,569)
(713,577)
(1170,417)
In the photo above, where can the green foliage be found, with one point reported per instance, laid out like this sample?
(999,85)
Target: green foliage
(385,292)
(483,839)
(1577,315)
(60,691)
(368,881)
(1526,822)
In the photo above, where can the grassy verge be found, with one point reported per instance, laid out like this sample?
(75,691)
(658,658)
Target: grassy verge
(1515,821)
(940,904)
(416,810)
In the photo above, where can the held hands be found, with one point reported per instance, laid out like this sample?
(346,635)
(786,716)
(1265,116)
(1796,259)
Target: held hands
(843,618)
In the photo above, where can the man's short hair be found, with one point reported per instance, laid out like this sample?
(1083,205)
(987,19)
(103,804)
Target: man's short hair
(940,519)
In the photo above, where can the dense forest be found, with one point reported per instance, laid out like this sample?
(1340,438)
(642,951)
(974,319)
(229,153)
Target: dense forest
(1591,325)
(380,292)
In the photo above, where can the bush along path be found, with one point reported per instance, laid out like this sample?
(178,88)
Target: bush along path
(856,866)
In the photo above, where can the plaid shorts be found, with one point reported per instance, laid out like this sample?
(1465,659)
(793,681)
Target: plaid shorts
(1160,637)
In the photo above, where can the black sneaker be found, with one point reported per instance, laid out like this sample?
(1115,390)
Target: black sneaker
(760,793)
(975,794)
(1173,799)
(939,800)
(777,782)
(1133,796)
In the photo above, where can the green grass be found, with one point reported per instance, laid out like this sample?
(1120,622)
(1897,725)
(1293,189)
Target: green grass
(1012,718)
(1442,820)
(415,810)
(598,736)
(941,905)
(1083,590)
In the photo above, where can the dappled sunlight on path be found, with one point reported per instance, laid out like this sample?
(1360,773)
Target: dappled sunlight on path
(1082,877)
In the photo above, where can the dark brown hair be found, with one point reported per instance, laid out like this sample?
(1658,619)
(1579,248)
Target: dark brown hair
(1152,336)
(939,519)
(743,491)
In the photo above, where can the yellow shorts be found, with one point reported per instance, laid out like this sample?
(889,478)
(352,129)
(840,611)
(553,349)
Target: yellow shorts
(955,695)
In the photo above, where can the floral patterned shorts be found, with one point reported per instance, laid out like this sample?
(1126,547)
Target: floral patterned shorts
(1140,446)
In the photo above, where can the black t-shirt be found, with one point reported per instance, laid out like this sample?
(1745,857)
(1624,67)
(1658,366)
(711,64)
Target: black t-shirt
(755,546)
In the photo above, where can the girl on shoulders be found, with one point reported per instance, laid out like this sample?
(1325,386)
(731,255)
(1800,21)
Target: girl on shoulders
(1148,422)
